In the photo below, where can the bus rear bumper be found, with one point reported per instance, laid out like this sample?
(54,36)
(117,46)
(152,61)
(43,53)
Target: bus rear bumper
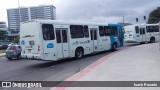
(31,56)
(130,41)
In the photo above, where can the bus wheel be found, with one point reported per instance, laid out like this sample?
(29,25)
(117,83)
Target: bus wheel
(152,40)
(79,53)
(114,47)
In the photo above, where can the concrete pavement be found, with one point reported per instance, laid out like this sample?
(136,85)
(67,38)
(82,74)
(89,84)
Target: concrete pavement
(137,63)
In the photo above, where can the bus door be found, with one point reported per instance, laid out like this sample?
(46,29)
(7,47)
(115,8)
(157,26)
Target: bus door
(142,35)
(120,36)
(62,42)
(94,45)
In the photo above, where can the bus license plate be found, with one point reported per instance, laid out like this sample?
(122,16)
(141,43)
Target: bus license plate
(29,50)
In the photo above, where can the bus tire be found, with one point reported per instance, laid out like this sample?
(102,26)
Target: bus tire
(79,53)
(152,40)
(114,45)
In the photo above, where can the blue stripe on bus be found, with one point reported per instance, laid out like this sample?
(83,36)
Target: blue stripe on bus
(120,41)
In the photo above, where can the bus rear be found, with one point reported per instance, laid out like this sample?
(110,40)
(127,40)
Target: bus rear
(30,40)
(130,34)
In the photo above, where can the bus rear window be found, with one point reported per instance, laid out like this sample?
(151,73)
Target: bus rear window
(156,28)
(76,31)
(150,29)
(48,32)
(10,48)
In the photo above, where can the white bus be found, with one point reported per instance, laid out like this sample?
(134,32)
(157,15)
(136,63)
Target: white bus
(55,40)
(142,33)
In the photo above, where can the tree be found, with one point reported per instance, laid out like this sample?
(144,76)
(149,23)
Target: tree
(2,35)
(16,40)
(154,16)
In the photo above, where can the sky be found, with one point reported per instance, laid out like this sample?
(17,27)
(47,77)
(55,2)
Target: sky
(108,11)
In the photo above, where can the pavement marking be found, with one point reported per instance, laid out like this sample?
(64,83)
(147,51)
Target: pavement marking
(86,70)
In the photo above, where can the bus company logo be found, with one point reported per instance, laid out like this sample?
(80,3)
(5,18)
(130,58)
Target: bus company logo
(26,36)
(6,84)
(75,43)
(23,42)
(50,45)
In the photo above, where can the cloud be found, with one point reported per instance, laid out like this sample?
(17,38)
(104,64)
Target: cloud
(98,10)
(91,10)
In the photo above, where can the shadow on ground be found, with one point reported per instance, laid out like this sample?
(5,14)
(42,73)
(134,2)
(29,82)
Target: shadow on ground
(45,64)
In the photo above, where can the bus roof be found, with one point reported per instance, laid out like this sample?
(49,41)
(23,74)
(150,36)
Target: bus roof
(118,25)
(66,22)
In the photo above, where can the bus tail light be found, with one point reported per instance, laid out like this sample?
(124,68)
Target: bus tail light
(38,47)
(14,49)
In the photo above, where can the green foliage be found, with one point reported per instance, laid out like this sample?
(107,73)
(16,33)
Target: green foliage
(2,35)
(154,16)
(2,51)
(16,40)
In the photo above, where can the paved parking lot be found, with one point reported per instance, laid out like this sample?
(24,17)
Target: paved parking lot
(137,63)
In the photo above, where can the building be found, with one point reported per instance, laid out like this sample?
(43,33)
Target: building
(3,26)
(17,15)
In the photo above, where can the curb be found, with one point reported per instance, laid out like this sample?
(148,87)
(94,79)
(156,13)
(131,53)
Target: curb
(2,55)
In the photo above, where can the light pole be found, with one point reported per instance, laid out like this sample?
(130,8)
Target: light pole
(19,11)
(159,35)
(19,14)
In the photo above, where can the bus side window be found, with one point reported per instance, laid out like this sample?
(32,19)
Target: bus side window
(156,28)
(58,36)
(86,32)
(107,30)
(141,31)
(48,32)
(64,35)
(95,35)
(137,29)
(101,31)
(114,31)
(144,31)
